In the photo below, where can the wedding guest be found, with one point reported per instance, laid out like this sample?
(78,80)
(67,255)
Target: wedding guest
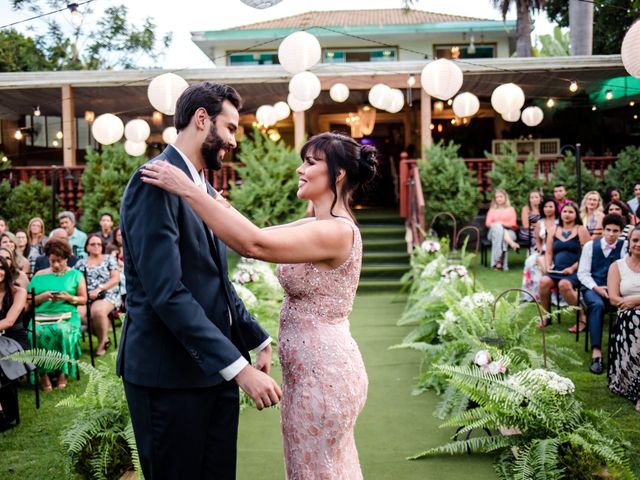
(106,228)
(529,218)
(18,276)
(534,265)
(3,225)
(597,256)
(77,238)
(564,245)
(116,250)
(634,203)
(12,303)
(502,224)
(620,208)
(9,240)
(560,196)
(612,193)
(43,260)
(37,239)
(624,292)
(22,243)
(591,213)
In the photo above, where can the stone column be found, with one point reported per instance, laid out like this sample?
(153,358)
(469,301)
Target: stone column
(425,121)
(68,127)
(298,130)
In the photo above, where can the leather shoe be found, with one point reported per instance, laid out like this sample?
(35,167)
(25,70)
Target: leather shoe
(596,366)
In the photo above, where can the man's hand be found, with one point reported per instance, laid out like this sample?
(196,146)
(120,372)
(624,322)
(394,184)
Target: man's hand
(259,386)
(602,291)
(263,359)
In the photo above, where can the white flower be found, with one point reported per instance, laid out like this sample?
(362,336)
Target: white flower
(430,269)
(482,358)
(430,246)
(495,368)
(453,272)
(448,319)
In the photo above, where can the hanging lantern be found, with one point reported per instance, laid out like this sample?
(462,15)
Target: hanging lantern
(380,96)
(260,4)
(135,149)
(266,115)
(299,52)
(396,101)
(441,78)
(339,92)
(305,86)
(107,129)
(282,110)
(631,50)
(137,130)
(511,116)
(164,90)
(532,116)
(298,105)
(507,97)
(466,104)
(169,135)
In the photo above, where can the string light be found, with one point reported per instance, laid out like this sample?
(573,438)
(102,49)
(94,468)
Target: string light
(36,111)
(632,103)
(594,108)
(18,135)
(551,102)
(59,135)
(608,95)
(573,87)
(76,16)
(411,81)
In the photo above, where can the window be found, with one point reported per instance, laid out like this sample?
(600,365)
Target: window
(46,132)
(253,58)
(461,51)
(349,55)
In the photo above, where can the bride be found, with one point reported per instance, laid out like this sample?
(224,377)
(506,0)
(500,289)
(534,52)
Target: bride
(323,377)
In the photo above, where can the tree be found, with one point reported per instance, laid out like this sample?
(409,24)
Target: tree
(612,19)
(555,45)
(25,201)
(523,22)
(21,54)
(111,43)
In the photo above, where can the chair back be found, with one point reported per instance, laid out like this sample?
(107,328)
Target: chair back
(451,217)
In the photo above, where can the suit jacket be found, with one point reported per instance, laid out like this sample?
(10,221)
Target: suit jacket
(177,332)
(42,262)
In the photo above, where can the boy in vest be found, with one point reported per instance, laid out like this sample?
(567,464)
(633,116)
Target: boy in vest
(597,256)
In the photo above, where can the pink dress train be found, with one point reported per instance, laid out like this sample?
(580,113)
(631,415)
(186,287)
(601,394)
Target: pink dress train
(323,376)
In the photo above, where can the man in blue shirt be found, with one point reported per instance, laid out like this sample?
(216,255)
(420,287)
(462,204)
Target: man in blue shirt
(77,238)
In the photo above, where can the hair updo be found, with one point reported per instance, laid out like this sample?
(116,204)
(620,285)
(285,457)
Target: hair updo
(359,162)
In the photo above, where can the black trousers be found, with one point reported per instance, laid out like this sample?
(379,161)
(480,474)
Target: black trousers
(185,433)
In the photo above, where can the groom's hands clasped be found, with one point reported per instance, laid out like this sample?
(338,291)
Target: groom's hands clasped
(262,389)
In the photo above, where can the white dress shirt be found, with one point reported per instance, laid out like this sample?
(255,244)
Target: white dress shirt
(228,372)
(584,267)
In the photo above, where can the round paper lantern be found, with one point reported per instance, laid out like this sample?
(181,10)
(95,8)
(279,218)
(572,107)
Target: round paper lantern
(466,104)
(532,116)
(299,52)
(266,115)
(339,92)
(169,135)
(282,110)
(298,105)
(631,50)
(380,96)
(135,149)
(441,78)
(260,4)
(507,97)
(396,102)
(164,90)
(511,116)
(305,86)
(137,130)
(107,129)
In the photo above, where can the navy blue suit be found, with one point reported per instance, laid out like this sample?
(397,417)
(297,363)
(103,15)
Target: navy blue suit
(177,335)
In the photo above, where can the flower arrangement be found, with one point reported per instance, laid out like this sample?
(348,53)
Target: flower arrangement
(486,364)
(454,272)
(430,246)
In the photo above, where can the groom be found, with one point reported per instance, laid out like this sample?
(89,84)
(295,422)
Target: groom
(186,338)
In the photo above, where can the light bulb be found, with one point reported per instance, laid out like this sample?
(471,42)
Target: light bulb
(574,86)
(36,111)
(411,81)
(18,135)
(55,143)
(551,102)
(594,108)
(59,135)
(632,103)
(635,117)
(450,102)
(608,95)
(76,16)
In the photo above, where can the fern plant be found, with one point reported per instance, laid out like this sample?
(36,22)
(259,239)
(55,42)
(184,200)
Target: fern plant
(100,443)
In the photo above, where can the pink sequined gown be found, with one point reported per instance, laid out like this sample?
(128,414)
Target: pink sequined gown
(323,377)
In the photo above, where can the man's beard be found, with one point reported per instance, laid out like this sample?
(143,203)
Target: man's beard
(210,149)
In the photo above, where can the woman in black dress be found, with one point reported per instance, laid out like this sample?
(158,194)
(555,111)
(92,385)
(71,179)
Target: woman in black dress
(12,302)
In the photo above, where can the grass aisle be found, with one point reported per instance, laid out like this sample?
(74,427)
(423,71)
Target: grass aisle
(393,425)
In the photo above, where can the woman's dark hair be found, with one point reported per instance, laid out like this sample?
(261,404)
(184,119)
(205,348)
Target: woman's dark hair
(546,200)
(94,235)
(27,247)
(207,95)
(113,238)
(59,248)
(607,194)
(622,206)
(15,270)
(7,284)
(359,162)
(575,208)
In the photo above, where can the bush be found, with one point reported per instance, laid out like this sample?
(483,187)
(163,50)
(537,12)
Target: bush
(565,173)
(516,178)
(447,183)
(626,171)
(267,194)
(25,201)
(104,180)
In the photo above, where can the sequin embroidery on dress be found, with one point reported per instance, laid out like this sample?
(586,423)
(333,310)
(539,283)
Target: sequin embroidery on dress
(323,376)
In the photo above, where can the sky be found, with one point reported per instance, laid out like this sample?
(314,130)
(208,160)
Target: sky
(198,15)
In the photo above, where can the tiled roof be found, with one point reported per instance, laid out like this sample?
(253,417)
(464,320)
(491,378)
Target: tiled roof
(350,18)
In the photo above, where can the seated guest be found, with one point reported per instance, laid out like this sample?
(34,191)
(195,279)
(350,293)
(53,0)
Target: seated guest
(106,228)
(116,250)
(12,302)
(22,243)
(103,279)
(591,213)
(560,196)
(534,264)
(4,226)
(597,256)
(42,261)
(37,239)
(18,277)
(529,218)
(634,203)
(564,245)
(502,224)
(77,238)
(620,208)
(8,240)
(624,292)
(59,290)
(612,193)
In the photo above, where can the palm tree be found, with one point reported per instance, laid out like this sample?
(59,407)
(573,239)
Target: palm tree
(581,27)
(523,22)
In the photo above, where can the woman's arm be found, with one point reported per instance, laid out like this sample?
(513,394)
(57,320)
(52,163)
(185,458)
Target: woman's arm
(512,219)
(583,234)
(537,234)
(524,217)
(548,255)
(613,285)
(17,307)
(490,220)
(302,221)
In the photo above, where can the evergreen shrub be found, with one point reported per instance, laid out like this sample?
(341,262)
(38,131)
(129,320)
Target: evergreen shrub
(27,200)
(626,171)
(565,173)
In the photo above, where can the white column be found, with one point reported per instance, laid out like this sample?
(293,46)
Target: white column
(425,121)
(298,130)
(68,127)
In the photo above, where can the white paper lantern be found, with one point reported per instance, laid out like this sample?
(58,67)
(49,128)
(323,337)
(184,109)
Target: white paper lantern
(169,135)
(396,102)
(339,92)
(507,97)
(135,149)
(380,96)
(441,78)
(532,116)
(107,129)
(282,110)
(305,86)
(466,104)
(299,52)
(511,116)
(137,130)
(164,90)
(260,4)
(266,115)
(631,50)
(298,105)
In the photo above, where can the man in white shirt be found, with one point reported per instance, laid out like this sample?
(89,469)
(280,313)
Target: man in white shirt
(597,256)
